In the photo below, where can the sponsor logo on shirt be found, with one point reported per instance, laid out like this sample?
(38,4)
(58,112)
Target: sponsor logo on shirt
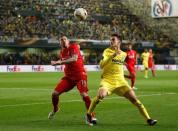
(118,61)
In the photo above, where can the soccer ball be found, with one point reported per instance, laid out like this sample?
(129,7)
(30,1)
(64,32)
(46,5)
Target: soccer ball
(80,14)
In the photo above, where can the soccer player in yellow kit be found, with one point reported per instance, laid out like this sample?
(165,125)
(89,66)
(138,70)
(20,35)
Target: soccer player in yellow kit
(145,57)
(113,81)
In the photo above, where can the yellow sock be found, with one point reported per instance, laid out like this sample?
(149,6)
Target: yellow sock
(146,73)
(93,104)
(142,109)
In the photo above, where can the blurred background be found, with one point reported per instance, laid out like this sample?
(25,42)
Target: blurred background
(29,29)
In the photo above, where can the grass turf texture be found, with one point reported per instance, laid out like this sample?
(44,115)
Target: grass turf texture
(25,101)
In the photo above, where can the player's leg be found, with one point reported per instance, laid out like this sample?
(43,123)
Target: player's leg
(86,99)
(63,86)
(153,70)
(152,67)
(130,95)
(82,87)
(102,92)
(146,71)
(133,80)
(133,77)
(55,100)
(128,76)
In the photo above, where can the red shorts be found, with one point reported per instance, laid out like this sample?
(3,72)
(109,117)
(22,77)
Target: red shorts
(131,69)
(67,84)
(150,64)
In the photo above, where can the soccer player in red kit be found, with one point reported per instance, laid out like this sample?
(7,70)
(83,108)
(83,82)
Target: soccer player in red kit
(75,74)
(131,60)
(151,64)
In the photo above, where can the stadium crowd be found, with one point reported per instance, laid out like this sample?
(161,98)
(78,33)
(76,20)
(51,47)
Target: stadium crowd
(42,58)
(53,18)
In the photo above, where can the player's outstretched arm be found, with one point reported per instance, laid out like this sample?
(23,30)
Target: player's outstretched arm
(67,61)
(105,60)
(53,63)
(107,57)
(70,60)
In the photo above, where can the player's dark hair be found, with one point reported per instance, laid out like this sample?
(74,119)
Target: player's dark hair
(117,35)
(130,43)
(145,49)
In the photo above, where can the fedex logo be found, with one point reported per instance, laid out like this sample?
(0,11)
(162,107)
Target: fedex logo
(58,68)
(37,68)
(14,68)
(167,67)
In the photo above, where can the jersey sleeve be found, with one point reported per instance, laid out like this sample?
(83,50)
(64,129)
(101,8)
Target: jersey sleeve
(124,56)
(105,59)
(142,56)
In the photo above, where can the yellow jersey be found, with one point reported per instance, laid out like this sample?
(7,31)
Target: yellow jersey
(145,57)
(113,68)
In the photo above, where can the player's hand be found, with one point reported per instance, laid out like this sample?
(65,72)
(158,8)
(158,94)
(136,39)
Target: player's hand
(53,63)
(117,51)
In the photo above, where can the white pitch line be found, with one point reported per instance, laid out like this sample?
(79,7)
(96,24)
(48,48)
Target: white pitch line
(69,101)
(146,95)
(71,91)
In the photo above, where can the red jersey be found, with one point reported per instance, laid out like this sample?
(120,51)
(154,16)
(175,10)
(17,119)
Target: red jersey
(150,60)
(74,70)
(131,57)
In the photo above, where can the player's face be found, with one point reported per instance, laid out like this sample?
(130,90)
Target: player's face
(115,42)
(64,42)
(145,50)
(150,50)
(129,47)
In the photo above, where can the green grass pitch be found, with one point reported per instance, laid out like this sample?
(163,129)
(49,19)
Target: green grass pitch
(25,101)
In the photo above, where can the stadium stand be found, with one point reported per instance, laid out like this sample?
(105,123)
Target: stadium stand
(49,19)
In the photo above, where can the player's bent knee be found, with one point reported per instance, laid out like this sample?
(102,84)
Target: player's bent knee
(131,96)
(101,97)
(133,75)
(55,93)
(102,93)
(84,94)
